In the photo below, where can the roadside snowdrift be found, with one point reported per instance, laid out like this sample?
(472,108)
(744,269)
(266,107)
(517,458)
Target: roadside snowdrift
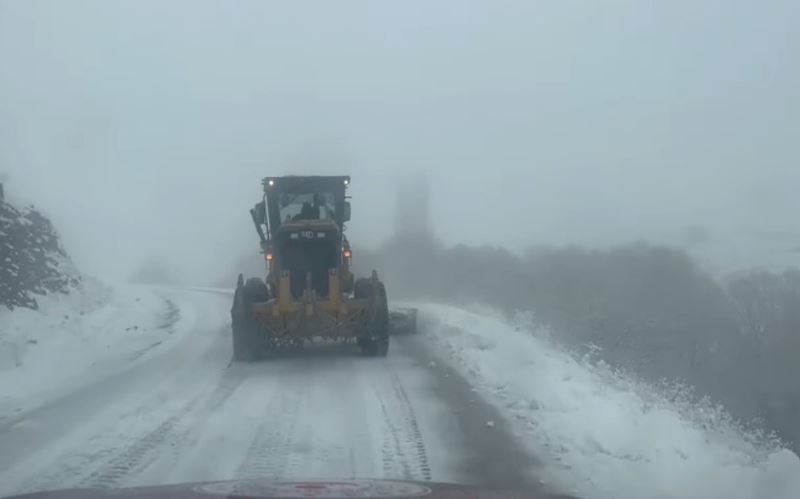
(605,435)
(72,338)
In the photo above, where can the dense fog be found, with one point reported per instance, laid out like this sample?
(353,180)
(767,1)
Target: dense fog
(566,158)
(144,127)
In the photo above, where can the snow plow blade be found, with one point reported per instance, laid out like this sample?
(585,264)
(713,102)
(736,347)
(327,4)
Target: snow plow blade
(403,321)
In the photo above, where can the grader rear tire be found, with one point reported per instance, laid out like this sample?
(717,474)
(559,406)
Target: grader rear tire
(246,330)
(375,340)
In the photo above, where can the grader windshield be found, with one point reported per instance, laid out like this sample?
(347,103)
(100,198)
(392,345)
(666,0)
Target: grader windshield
(307,206)
(300,199)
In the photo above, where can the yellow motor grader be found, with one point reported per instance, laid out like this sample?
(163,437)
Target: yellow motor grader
(310,292)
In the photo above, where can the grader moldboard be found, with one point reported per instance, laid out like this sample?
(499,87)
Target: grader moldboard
(309,293)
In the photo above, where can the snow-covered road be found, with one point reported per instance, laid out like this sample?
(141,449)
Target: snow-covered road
(181,412)
(140,389)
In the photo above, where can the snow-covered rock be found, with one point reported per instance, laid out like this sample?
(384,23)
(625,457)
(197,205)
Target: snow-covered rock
(32,261)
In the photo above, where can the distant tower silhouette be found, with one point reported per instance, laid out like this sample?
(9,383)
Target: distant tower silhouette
(412,206)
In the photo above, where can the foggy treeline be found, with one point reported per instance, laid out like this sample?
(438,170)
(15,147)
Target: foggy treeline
(649,309)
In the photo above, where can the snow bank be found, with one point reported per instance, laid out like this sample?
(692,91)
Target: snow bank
(605,435)
(73,337)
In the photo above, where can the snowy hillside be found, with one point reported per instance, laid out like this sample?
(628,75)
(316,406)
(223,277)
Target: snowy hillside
(606,435)
(57,328)
(72,338)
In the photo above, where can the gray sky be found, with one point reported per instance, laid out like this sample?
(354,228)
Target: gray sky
(144,127)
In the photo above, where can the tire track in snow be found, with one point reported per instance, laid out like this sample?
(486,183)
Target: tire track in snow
(136,457)
(392,452)
(107,467)
(227,386)
(118,463)
(403,450)
(170,318)
(140,353)
(336,440)
(270,453)
(414,438)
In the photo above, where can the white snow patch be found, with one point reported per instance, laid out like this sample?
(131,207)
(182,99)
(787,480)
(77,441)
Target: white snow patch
(72,338)
(606,436)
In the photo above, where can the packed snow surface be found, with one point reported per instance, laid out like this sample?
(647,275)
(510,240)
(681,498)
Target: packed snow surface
(605,435)
(183,412)
(130,385)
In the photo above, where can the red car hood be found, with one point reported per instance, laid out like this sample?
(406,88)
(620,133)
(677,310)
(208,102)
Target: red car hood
(296,490)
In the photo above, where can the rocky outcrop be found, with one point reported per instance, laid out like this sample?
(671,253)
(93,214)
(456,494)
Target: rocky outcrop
(32,261)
